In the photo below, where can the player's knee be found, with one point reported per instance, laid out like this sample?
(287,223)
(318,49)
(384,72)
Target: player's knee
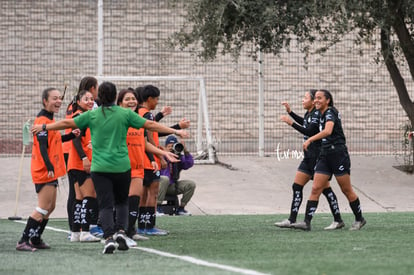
(42,211)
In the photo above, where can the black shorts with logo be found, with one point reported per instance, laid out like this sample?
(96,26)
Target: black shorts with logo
(150,177)
(307,166)
(335,162)
(78,176)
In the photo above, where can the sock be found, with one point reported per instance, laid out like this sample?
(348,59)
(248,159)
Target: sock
(71,201)
(132,214)
(37,239)
(86,213)
(152,217)
(333,203)
(31,230)
(356,209)
(144,218)
(76,225)
(296,201)
(310,210)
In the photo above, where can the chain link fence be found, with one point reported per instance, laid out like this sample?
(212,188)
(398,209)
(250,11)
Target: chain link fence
(54,43)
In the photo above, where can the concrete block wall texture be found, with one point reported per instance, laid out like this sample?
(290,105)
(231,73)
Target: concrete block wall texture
(50,43)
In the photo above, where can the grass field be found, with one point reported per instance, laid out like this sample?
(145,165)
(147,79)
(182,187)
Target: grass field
(234,244)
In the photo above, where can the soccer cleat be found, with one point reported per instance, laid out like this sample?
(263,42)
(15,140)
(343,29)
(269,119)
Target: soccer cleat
(75,237)
(40,245)
(109,247)
(96,231)
(138,237)
(284,224)
(25,246)
(88,237)
(301,225)
(130,242)
(156,232)
(335,225)
(357,225)
(121,239)
(182,212)
(141,231)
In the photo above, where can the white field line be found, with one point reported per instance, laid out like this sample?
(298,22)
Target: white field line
(182,258)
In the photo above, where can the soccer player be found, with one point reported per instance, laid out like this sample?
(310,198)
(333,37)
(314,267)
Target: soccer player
(334,159)
(47,166)
(110,169)
(308,126)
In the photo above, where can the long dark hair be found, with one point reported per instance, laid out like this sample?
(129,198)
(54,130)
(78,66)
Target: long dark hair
(107,95)
(328,95)
(86,83)
(312,93)
(75,105)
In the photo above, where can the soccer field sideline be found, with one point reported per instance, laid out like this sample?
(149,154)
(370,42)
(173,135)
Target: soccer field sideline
(170,255)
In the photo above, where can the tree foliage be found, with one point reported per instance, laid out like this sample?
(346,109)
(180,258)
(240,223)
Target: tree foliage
(215,27)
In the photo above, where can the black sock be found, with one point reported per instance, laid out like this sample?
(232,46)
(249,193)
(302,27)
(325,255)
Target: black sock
(333,203)
(296,201)
(152,217)
(76,225)
(71,201)
(143,218)
(37,239)
(356,209)
(133,214)
(31,230)
(310,210)
(86,213)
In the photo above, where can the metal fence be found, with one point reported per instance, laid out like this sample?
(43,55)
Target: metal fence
(53,43)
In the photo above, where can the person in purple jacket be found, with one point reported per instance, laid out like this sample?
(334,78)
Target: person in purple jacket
(170,182)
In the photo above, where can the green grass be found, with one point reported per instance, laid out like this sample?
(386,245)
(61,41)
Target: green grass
(384,246)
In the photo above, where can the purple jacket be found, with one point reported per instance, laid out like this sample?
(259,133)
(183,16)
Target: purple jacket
(172,171)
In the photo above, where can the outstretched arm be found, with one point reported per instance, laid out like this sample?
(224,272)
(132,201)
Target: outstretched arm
(156,127)
(59,125)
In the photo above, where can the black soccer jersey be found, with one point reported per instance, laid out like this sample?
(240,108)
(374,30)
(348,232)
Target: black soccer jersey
(337,136)
(310,127)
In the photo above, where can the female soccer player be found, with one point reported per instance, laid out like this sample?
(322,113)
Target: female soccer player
(47,166)
(79,165)
(110,169)
(137,146)
(334,159)
(308,126)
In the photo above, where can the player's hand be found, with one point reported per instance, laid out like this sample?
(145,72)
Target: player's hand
(86,165)
(287,106)
(166,110)
(184,123)
(171,157)
(286,119)
(182,133)
(306,144)
(76,132)
(155,166)
(37,128)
